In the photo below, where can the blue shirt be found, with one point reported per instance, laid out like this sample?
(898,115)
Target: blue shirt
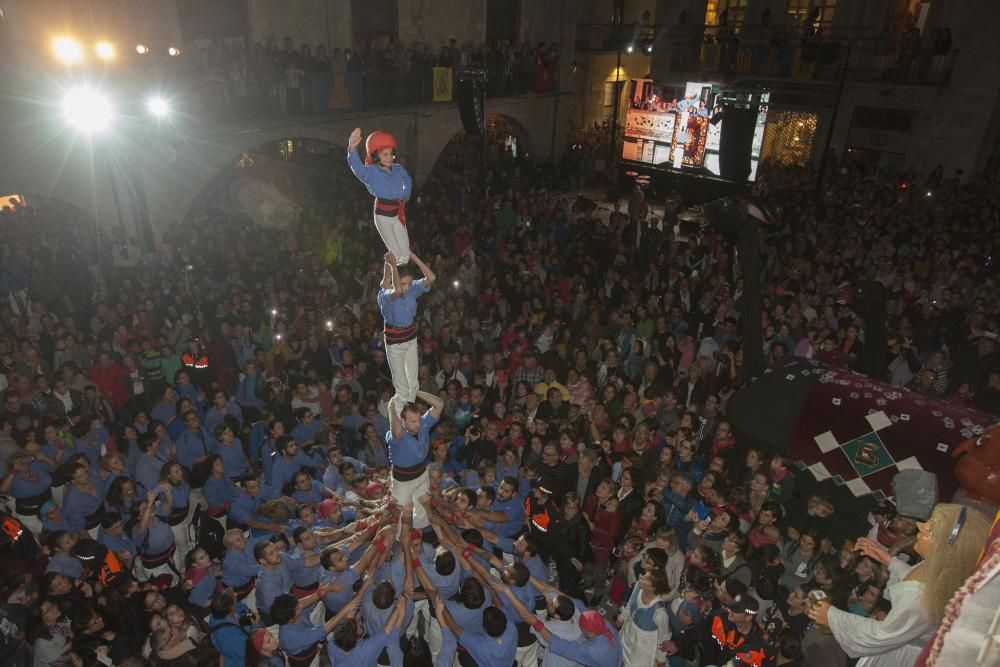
(284,471)
(401,311)
(470,619)
(68,566)
(446,584)
(117,543)
(312,496)
(305,432)
(246,392)
(295,638)
(147,471)
(78,505)
(331,476)
(215,415)
(486,650)
(364,653)
(376,619)
(394,184)
(303,576)
(411,450)
(271,583)
(231,639)
(239,567)
(244,507)
(218,492)
(25,487)
(234,460)
(191,446)
(180,497)
(161,538)
(335,600)
(202,592)
(596,652)
(513,509)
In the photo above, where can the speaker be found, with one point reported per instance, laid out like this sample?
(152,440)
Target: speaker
(736,142)
(472,106)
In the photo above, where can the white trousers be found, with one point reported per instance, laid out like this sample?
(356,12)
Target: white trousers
(407,492)
(404,365)
(394,236)
(432,630)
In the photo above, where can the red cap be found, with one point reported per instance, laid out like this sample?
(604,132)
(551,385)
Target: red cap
(593,622)
(326,507)
(375,142)
(257,638)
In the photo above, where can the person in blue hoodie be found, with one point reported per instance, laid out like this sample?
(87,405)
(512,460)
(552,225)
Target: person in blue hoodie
(229,626)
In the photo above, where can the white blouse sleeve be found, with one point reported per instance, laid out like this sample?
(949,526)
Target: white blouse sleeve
(907,621)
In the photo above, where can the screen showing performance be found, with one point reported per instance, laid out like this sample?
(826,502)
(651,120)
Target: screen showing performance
(686,128)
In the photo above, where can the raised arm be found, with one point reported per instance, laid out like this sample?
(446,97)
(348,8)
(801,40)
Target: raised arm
(357,166)
(395,424)
(396,280)
(387,273)
(429,276)
(437,405)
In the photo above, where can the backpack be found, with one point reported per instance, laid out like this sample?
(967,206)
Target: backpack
(208,534)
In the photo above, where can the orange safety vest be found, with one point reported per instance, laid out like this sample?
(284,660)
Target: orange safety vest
(189,360)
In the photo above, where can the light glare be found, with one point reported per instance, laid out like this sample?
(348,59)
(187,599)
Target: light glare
(174,51)
(105,50)
(158,106)
(87,110)
(67,50)
(141,49)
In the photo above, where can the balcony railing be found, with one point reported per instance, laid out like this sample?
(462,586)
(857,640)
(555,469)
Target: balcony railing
(765,52)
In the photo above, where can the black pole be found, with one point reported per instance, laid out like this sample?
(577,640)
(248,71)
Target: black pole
(748,245)
(833,120)
(618,101)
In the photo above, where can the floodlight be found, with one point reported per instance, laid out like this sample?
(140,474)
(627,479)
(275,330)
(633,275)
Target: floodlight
(158,106)
(105,50)
(87,110)
(67,50)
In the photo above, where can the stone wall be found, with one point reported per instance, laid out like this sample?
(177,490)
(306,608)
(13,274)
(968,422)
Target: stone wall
(437,21)
(312,22)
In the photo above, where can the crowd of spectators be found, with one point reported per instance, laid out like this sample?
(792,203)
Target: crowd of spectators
(230,81)
(195,442)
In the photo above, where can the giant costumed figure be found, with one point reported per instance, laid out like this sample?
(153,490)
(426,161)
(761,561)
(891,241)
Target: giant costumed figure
(949,544)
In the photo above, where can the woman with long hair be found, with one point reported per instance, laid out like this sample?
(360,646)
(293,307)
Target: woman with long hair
(644,621)
(176,510)
(949,543)
(50,635)
(262,650)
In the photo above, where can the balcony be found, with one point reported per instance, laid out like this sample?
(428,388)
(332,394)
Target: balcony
(765,53)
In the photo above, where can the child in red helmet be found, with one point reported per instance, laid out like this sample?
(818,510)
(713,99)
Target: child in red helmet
(389,183)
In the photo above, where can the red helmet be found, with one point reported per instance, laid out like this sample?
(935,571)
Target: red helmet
(375,142)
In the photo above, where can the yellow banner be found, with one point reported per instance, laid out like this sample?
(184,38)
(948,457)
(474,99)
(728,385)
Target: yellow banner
(442,84)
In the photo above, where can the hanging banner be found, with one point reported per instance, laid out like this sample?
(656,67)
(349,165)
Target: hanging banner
(442,84)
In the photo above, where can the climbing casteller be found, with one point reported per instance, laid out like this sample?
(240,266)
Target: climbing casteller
(390,184)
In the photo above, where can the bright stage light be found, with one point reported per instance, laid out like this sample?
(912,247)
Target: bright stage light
(158,106)
(87,110)
(141,49)
(105,50)
(173,51)
(629,49)
(67,50)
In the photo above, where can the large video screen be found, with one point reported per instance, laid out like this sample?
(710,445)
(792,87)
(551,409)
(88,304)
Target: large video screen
(681,128)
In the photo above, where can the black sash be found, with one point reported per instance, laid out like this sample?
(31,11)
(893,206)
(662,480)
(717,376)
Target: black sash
(30,506)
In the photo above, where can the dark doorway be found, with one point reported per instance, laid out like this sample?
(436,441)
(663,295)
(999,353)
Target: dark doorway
(374,18)
(502,17)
